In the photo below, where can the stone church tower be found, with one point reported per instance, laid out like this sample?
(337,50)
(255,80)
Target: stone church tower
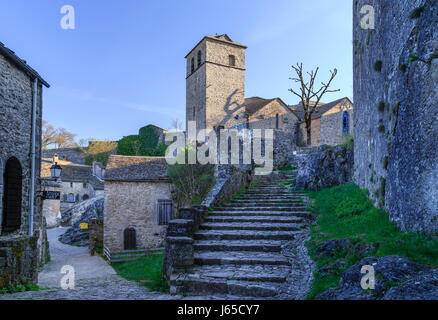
(215,83)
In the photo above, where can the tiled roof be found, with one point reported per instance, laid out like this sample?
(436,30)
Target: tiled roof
(254,104)
(320,109)
(127,168)
(22,64)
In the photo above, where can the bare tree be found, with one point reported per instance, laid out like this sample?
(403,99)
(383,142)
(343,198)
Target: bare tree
(59,138)
(49,134)
(307,92)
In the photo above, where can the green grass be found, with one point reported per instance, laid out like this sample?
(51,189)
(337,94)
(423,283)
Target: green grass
(20,288)
(346,212)
(287,168)
(147,271)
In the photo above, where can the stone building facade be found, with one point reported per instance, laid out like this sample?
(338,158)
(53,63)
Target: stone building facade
(396,120)
(138,203)
(23,240)
(215,97)
(330,123)
(77,182)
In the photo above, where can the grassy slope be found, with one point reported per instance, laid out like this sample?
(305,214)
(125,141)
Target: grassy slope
(149,269)
(346,212)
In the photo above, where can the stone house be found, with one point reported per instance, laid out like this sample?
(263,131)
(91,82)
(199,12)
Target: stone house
(23,239)
(215,97)
(77,183)
(138,202)
(330,122)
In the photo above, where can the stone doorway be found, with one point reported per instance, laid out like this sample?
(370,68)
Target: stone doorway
(12,196)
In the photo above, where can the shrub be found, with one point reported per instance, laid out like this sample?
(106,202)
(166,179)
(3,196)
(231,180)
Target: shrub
(381,106)
(348,141)
(378,66)
(403,67)
(192,182)
(416,13)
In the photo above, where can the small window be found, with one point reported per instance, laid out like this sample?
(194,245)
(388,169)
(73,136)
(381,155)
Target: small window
(164,212)
(276,121)
(199,58)
(193,65)
(71,184)
(85,185)
(345,123)
(232,60)
(85,197)
(71,197)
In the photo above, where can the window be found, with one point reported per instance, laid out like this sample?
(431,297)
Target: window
(85,185)
(199,58)
(345,123)
(85,197)
(71,184)
(232,60)
(276,121)
(164,212)
(193,65)
(71,197)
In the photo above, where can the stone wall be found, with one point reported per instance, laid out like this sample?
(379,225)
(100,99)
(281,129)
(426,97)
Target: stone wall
(134,205)
(266,118)
(230,180)
(74,155)
(315,133)
(20,254)
(395,119)
(95,230)
(325,167)
(78,190)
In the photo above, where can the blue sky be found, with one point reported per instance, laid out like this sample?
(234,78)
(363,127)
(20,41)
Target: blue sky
(123,66)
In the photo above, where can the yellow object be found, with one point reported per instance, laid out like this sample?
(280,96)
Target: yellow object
(83,225)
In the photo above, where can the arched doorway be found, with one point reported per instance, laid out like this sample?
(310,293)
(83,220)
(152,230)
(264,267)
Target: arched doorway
(85,197)
(12,196)
(129,239)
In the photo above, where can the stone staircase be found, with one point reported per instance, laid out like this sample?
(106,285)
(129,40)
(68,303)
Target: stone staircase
(243,248)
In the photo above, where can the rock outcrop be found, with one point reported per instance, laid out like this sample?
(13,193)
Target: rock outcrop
(396,278)
(325,167)
(80,237)
(395,101)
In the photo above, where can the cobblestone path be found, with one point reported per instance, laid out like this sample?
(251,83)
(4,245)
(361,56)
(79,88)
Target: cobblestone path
(253,247)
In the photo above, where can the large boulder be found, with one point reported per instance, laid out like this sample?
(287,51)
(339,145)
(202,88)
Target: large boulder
(395,278)
(325,167)
(80,237)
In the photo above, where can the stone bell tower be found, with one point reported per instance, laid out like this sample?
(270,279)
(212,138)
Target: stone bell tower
(215,83)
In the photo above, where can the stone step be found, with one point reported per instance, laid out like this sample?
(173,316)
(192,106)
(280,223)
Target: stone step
(297,213)
(259,226)
(238,245)
(273,219)
(255,273)
(210,286)
(271,208)
(244,235)
(264,203)
(239,258)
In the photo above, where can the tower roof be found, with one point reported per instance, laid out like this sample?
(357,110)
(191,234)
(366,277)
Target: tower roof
(224,38)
